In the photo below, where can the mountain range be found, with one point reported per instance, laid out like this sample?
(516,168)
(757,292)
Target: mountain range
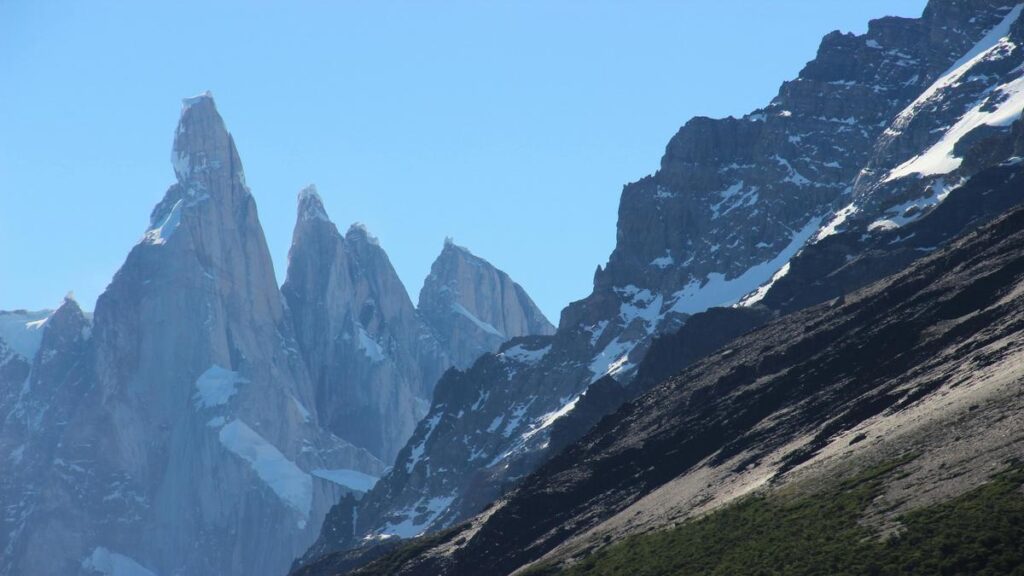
(888,147)
(203,420)
(802,356)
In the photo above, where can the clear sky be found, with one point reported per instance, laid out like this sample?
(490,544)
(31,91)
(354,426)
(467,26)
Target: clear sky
(510,126)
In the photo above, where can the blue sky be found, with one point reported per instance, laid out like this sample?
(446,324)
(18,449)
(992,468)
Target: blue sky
(510,126)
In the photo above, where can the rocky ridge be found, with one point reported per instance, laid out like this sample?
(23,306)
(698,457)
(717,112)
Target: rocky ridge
(736,211)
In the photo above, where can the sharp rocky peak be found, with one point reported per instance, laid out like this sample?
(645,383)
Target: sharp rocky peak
(311,205)
(474,307)
(358,232)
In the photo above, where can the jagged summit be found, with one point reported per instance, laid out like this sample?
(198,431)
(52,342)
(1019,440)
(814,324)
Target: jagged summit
(203,147)
(311,205)
(358,232)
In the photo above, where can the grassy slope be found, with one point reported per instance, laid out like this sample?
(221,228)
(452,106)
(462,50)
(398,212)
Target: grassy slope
(979,533)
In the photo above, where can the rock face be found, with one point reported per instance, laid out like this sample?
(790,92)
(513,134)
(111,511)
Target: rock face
(473,307)
(372,360)
(172,434)
(797,202)
(927,362)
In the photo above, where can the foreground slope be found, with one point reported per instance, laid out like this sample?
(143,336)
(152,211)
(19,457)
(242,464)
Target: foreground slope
(928,362)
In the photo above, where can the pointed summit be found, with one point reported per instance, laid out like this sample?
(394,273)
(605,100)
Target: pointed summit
(311,205)
(203,148)
(474,307)
(358,232)
(372,361)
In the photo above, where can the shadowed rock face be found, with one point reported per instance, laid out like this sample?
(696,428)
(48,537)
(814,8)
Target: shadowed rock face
(473,307)
(736,204)
(173,433)
(372,360)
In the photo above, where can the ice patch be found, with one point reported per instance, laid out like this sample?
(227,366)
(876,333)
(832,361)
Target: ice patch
(293,486)
(663,261)
(348,478)
(162,232)
(110,563)
(216,386)
(833,225)
(459,309)
(524,356)
(761,292)
(373,350)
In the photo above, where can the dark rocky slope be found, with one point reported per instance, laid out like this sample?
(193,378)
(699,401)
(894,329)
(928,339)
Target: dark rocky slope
(735,205)
(927,361)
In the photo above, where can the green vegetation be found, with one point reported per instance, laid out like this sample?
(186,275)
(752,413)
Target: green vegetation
(978,533)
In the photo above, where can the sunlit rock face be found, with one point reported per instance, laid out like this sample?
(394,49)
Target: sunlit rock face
(174,432)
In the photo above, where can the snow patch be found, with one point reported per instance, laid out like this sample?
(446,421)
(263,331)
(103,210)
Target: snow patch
(940,158)
(216,386)
(373,350)
(417,451)
(716,290)
(161,232)
(761,292)
(461,310)
(522,355)
(663,261)
(837,220)
(293,486)
(937,159)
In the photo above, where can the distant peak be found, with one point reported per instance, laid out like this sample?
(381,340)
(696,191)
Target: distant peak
(311,205)
(450,247)
(205,97)
(359,231)
(202,143)
(70,296)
